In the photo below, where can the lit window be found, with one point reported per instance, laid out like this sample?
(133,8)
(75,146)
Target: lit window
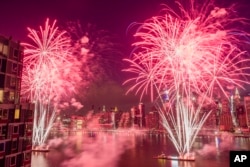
(11,96)
(5,50)
(1,96)
(1,47)
(17,113)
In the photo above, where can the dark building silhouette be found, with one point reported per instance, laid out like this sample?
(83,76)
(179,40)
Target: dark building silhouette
(16,118)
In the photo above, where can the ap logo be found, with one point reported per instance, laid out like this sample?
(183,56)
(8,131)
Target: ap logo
(239,158)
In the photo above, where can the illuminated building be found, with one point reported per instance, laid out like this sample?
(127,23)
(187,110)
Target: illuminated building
(152,120)
(16,118)
(141,115)
(138,116)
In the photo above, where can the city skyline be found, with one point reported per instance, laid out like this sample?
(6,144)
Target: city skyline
(124,82)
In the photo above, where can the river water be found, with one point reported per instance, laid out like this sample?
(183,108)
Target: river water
(135,150)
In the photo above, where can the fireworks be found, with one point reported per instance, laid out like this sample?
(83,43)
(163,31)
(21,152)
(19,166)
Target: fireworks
(193,54)
(102,47)
(50,72)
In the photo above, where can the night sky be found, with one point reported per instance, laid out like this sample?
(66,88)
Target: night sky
(112,15)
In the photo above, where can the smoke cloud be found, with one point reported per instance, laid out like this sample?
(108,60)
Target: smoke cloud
(96,150)
(222,142)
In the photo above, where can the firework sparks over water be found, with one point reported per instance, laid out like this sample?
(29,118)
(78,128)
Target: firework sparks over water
(50,72)
(193,54)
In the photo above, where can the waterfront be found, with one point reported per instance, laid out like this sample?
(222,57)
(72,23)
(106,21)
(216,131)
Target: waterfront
(137,150)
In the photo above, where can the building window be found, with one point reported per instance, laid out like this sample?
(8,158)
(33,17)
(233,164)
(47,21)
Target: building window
(1,96)
(14,67)
(3,114)
(14,144)
(17,113)
(15,53)
(12,161)
(29,127)
(17,98)
(28,141)
(5,50)
(15,129)
(11,96)
(1,47)
(3,130)
(12,81)
(17,83)
(27,156)
(29,114)
(2,147)
(2,65)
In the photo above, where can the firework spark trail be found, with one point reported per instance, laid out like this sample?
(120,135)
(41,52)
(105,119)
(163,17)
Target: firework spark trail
(50,72)
(191,53)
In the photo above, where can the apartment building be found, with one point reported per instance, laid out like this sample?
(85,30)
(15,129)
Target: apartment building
(16,118)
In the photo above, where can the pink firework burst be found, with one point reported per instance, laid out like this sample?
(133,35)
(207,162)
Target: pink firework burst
(50,69)
(188,52)
(50,72)
(47,45)
(194,49)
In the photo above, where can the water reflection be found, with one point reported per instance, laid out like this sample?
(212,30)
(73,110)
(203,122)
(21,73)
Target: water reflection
(174,163)
(182,164)
(39,159)
(242,143)
(211,151)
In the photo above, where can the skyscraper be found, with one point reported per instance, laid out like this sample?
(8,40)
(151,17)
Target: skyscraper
(141,115)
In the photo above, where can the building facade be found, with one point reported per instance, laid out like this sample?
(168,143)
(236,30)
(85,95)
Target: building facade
(16,118)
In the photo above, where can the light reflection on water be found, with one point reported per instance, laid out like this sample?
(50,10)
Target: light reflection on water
(211,151)
(39,159)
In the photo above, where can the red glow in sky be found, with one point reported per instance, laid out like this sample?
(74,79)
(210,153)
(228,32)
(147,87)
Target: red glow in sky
(114,15)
